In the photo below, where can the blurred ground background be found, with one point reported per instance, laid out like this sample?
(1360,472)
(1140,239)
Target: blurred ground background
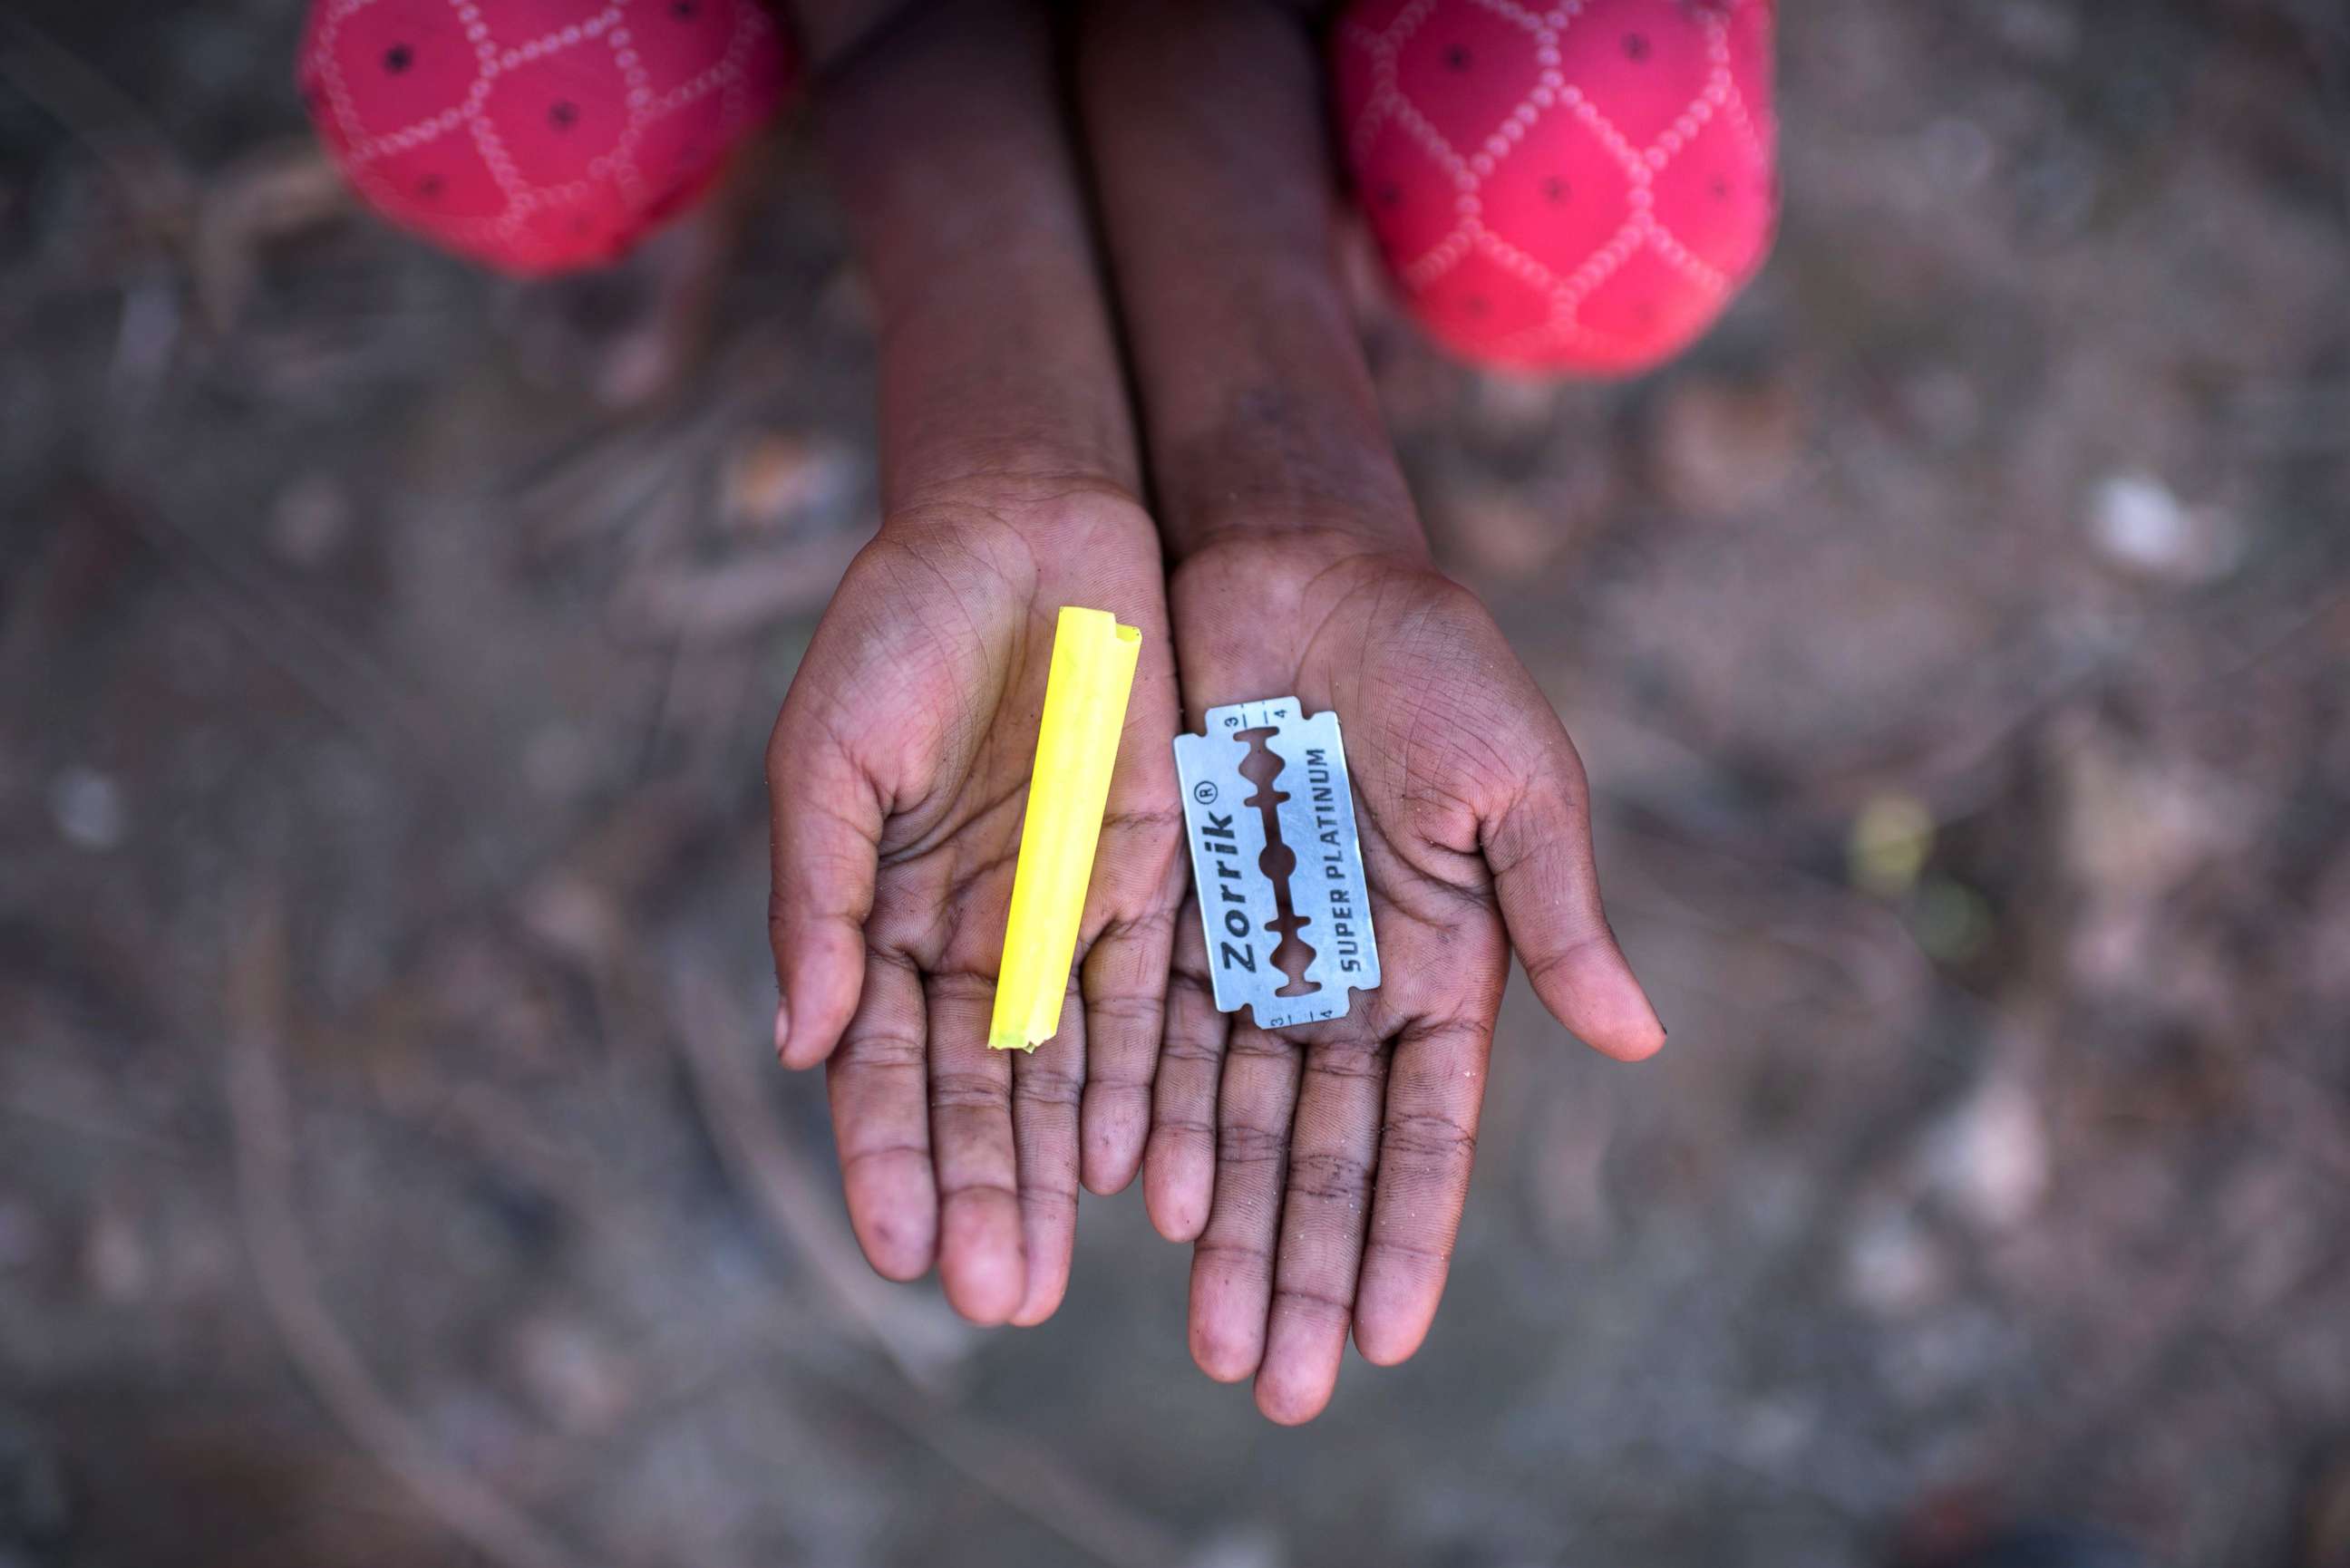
(392,1169)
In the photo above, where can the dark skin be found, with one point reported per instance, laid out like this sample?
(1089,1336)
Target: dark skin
(900,761)
(1320,1172)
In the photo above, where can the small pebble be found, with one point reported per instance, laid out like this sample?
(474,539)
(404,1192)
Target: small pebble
(311,520)
(1991,1157)
(1719,448)
(2139,523)
(1891,1265)
(779,478)
(90,809)
(1889,846)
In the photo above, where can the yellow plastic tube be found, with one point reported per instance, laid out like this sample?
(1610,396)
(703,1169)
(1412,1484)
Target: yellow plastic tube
(1085,709)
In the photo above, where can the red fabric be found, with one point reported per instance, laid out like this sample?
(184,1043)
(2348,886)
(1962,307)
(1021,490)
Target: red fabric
(1578,188)
(538,135)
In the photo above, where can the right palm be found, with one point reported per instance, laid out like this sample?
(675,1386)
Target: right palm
(898,772)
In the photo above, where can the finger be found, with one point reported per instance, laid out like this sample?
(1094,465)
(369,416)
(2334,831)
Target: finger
(1046,1086)
(880,1122)
(824,830)
(1125,977)
(1539,851)
(1334,1147)
(1179,1177)
(1231,1265)
(1138,881)
(1139,877)
(1427,1142)
(983,1259)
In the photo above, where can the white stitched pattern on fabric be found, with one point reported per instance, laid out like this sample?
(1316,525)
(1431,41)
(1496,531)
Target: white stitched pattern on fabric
(1641,165)
(494,59)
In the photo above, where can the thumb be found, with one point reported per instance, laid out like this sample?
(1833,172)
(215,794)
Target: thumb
(1539,850)
(825,819)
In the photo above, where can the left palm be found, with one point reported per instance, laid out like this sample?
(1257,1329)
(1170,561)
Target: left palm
(1321,1170)
(899,771)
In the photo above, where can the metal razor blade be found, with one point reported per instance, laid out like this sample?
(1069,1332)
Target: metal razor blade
(1230,821)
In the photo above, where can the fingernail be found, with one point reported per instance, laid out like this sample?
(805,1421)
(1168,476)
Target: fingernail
(783,1026)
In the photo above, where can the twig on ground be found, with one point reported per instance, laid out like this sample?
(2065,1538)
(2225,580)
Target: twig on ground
(148,170)
(1031,1480)
(921,1344)
(716,1044)
(348,680)
(262,1124)
(280,189)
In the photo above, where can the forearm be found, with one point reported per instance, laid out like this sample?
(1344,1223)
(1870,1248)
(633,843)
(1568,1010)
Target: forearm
(1218,207)
(944,135)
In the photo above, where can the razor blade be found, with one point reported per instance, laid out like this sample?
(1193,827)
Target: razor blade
(1260,922)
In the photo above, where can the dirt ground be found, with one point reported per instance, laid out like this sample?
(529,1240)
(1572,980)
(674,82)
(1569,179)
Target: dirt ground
(392,1166)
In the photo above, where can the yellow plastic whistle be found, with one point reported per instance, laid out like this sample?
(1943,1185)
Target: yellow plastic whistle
(1085,709)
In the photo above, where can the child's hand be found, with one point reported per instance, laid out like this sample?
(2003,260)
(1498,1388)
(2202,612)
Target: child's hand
(1323,1172)
(1334,1184)
(898,768)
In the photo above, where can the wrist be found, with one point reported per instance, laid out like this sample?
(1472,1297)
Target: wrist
(1285,569)
(1290,540)
(1258,460)
(946,145)
(1051,514)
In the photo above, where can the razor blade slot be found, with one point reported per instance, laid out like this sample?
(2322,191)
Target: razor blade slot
(1292,954)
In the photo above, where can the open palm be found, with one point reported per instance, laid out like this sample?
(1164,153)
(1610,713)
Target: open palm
(899,770)
(1321,1170)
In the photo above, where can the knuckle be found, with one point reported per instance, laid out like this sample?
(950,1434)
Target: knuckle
(1349,1061)
(878,1051)
(1423,1256)
(1126,1011)
(1181,1045)
(1544,967)
(1117,1072)
(1143,822)
(1329,1177)
(978,1187)
(1053,1199)
(967,1091)
(1191,979)
(1046,1086)
(853,1161)
(1321,1307)
(1250,1261)
(1427,1136)
(1239,1144)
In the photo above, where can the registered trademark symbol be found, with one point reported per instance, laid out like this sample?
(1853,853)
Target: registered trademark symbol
(1204,792)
